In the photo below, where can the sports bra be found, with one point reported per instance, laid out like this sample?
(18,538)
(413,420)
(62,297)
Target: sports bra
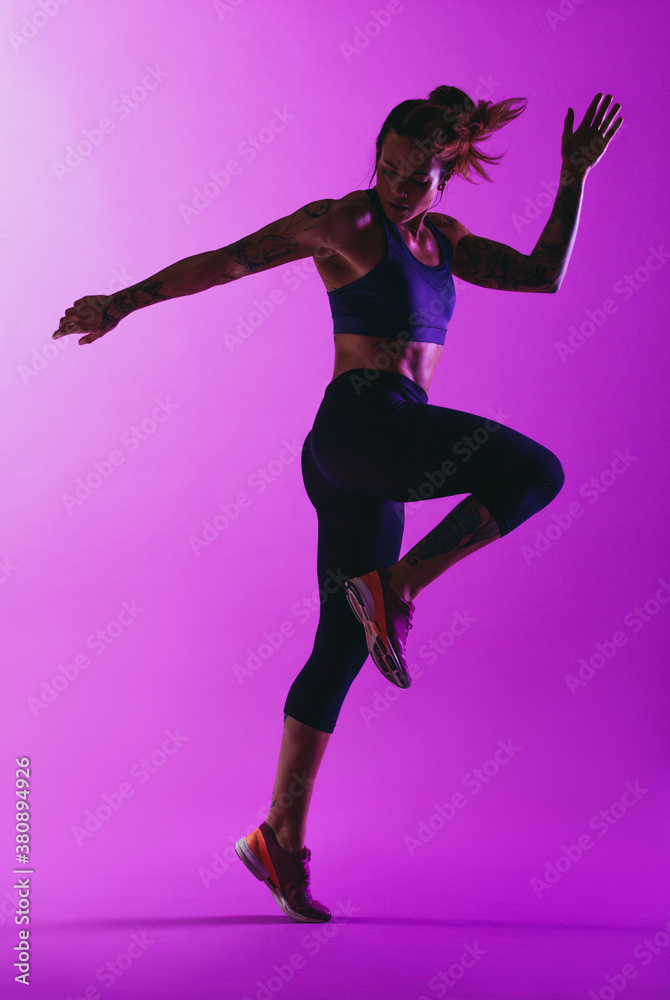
(400,296)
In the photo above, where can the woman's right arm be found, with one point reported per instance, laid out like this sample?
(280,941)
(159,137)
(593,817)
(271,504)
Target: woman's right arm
(315,229)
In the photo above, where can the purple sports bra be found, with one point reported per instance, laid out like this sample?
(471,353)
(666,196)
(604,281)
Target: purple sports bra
(400,298)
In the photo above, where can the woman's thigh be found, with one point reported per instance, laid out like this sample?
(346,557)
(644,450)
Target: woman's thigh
(357,533)
(391,446)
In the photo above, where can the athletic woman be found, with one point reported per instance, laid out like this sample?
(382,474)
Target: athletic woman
(387,262)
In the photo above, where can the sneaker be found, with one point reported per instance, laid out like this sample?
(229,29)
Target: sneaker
(285,874)
(386,618)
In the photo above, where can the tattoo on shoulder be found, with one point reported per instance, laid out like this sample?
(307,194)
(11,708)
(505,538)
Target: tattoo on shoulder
(318,208)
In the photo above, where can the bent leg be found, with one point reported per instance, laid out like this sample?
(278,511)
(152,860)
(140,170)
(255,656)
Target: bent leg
(512,477)
(388,441)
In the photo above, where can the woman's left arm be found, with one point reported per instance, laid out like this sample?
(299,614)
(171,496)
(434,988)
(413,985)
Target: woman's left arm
(491,264)
(580,151)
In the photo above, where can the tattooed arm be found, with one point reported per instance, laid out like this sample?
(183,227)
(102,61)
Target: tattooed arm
(313,230)
(494,265)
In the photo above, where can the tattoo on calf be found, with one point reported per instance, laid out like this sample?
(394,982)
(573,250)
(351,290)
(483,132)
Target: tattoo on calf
(459,529)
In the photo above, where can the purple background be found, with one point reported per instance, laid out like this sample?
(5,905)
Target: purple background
(192,411)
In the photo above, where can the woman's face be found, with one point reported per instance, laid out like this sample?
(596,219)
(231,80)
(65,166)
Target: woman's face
(407,178)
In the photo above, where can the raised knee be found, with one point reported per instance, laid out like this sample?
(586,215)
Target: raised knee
(547,474)
(555,476)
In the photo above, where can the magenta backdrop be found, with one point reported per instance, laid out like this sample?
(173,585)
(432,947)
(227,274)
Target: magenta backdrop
(158,548)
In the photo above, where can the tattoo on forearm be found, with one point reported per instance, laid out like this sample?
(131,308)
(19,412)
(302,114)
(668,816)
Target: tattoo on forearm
(460,529)
(555,244)
(144,293)
(494,265)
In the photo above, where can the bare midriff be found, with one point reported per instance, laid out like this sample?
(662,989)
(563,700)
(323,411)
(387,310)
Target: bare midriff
(417,361)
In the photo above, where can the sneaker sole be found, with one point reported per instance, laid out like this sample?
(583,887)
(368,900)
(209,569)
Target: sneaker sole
(383,655)
(257,868)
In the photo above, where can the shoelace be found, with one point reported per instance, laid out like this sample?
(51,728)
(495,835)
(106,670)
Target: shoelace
(307,890)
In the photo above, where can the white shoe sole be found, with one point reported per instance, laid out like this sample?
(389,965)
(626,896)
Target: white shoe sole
(382,653)
(249,859)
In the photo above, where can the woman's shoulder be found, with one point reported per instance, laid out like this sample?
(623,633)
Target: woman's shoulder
(356,203)
(451,227)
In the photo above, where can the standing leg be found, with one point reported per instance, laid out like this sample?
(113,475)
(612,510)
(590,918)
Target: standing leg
(356,533)
(302,748)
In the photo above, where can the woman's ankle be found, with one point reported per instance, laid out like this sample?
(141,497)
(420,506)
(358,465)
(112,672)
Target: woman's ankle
(286,837)
(401,586)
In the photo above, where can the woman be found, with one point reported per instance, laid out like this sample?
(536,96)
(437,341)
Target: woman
(387,264)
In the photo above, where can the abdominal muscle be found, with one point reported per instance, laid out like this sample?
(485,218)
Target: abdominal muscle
(417,361)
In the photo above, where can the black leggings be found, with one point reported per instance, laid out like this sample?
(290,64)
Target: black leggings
(377,443)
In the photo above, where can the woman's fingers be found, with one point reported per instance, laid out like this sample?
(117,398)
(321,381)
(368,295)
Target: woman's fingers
(601,111)
(603,119)
(583,148)
(66,325)
(608,121)
(69,322)
(87,315)
(591,110)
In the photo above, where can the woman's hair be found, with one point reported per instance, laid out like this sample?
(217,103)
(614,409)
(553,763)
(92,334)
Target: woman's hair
(447,125)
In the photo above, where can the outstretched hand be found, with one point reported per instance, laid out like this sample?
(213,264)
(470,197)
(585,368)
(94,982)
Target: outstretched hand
(581,149)
(92,313)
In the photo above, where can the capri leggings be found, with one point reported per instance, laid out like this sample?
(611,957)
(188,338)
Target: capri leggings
(377,443)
